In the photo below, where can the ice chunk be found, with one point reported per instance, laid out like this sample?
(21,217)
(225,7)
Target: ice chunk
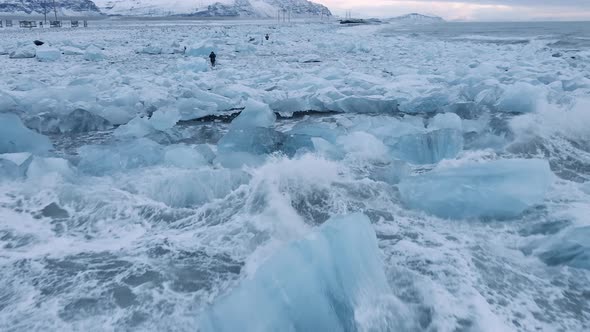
(48,54)
(138,127)
(435,102)
(6,102)
(93,53)
(14,165)
(255,114)
(23,52)
(310,58)
(184,156)
(188,188)
(364,146)
(195,65)
(295,143)
(572,248)
(164,119)
(429,148)
(15,137)
(69,50)
(102,159)
(329,132)
(255,140)
(40,167)
(446,121)
(150,50)
(338,273)
(202,49)
(520,98)
(82,121)
(391,173)
(502,188)
(356,104)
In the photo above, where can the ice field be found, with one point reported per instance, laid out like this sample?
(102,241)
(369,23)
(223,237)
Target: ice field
(366,178)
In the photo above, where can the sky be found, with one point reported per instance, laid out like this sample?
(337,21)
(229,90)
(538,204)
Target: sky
(468,10)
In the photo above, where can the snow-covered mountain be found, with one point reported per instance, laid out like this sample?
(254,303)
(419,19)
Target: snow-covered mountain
(203,8)
(38,7)
(210,8)
(417,19)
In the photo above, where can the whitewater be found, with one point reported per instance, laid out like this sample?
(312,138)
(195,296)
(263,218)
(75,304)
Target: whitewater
(388,177)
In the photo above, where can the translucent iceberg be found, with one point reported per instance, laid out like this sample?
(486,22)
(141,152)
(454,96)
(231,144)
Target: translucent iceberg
(446,121)
(40,167)
(82,121)
(253,140)
(362,104)
(14,165)
(184,156)
(23,52)
(101,159)
(429,148)
(93,53)
(499,189)
(164,119)
(48,54)
(255,114)
(319,283)
(521,98)
(15,137)
(572,249)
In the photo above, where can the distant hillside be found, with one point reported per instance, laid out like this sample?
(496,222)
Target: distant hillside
(39,7)
(417,19)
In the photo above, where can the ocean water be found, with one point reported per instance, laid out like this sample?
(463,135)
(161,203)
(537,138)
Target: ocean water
(377,178)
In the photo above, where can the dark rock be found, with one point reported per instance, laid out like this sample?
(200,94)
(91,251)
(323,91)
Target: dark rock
(38,42)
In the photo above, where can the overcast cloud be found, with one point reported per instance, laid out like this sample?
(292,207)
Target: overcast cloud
(471,10)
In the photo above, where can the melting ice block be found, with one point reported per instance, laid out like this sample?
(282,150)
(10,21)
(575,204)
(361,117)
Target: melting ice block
(93,53)
(429,148)
(100,160)
(23,52)
(14,165)
(255,114)
(572,248)
(255,140)
(318,283)
(48,54)
(15,137)
(501,188)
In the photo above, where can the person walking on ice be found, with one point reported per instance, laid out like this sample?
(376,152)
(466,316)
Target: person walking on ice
(212,57)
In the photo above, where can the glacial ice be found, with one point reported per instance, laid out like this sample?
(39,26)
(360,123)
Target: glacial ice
(101,159)
(93,53)
(203,49)
(164,119)
(23,52)
(41,167)
(446,121)
(195,65)
(255,140)
(429,148)
(48,54)
(358,104)
(14,165)
(498,189)
(255,114)
(188,188)
(318,283)
(15,137)
(188,157)
(520,98)
(392,172)
(571,248)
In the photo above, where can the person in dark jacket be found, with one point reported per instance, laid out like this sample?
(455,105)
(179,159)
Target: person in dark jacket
(212,57)
(267,37)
